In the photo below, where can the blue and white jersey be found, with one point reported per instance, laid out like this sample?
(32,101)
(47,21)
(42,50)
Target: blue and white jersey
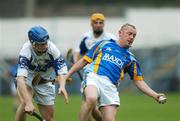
(48,64)
(110,59)
(88,41)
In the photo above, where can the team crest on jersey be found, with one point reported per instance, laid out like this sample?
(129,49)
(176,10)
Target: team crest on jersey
(113,59)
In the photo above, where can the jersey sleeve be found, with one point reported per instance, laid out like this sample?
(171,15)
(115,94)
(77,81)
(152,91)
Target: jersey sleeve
(59,63)
(60,66)
(23,62)
(92,53)
(82,47)
(134,71)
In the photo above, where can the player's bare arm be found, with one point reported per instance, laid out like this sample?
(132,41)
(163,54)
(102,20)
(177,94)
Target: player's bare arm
(62,90)
(77,66)
(26,97)
(77,56)
(147,90)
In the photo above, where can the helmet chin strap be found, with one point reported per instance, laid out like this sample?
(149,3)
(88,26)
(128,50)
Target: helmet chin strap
(40,53)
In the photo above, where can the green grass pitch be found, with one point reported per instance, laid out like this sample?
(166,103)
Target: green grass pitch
(134,107)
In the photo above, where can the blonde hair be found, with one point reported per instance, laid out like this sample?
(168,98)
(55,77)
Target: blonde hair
(126,25)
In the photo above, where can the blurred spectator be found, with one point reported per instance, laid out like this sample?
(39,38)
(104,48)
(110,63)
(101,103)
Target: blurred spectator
(11,74)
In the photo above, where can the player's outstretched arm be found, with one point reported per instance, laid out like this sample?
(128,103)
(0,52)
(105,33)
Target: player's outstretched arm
(76,67)
(62,90)
(159,97)
(76,57)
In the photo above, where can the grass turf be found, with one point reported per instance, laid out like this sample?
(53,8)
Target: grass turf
(134,107)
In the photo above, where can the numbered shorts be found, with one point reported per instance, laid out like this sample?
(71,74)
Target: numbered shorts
(43,93)
(107,91)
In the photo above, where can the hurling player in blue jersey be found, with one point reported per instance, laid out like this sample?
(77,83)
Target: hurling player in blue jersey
(40,62)
(89,39)
(109,61)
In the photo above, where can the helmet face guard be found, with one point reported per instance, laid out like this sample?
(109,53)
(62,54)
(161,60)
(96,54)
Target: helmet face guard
(38,35)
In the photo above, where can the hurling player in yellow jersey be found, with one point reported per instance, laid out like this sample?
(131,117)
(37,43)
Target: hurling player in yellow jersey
(109,60)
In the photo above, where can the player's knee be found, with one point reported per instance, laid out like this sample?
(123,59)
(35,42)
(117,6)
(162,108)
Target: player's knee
(109,118)
(48,117)
(91,100)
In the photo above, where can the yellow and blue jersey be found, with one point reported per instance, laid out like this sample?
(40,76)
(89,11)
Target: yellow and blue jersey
(110,59)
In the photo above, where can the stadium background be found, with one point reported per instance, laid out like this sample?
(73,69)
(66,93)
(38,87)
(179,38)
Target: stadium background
(157,46)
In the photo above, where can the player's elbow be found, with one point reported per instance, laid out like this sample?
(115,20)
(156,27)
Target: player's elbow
(84,61)
(20,80)
(139,83)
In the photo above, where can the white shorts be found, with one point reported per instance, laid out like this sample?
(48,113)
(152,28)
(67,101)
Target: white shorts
(107,91)
(43,93)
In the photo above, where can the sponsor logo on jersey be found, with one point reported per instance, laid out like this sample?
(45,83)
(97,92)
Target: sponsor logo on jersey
(113,59)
